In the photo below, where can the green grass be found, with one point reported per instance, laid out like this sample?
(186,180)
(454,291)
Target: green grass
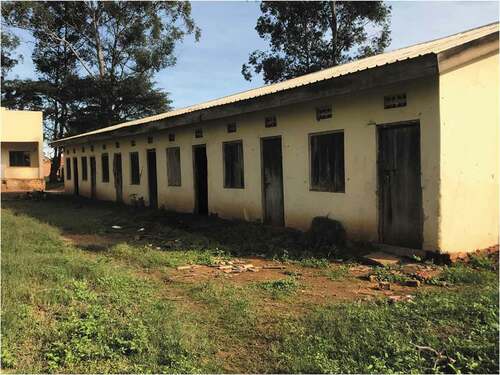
(280,288)
(65,309)
(385,338)
(338,272)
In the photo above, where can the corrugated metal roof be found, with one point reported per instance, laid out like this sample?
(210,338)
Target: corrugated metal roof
(434,46)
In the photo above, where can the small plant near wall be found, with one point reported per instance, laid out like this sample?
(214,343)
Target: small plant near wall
(137,201)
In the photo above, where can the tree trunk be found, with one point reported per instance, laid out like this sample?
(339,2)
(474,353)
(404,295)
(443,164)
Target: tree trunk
(333,27)
(54,165)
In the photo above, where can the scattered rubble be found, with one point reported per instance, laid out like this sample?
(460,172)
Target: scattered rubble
(230,266)
(384,285)
(382,259)
(406,298)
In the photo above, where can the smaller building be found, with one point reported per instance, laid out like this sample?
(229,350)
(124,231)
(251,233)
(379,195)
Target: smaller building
(22,150)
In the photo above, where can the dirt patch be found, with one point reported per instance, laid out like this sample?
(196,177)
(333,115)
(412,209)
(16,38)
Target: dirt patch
(90,242)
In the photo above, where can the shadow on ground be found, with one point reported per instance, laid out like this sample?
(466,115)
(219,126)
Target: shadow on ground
(99,224)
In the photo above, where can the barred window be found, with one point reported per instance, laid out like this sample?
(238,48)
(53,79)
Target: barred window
(327,162)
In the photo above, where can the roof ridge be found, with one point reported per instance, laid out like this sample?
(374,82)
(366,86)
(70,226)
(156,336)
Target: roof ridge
(433,46)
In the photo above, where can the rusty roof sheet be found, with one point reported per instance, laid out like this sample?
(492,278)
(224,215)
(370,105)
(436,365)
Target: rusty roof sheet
(433,46)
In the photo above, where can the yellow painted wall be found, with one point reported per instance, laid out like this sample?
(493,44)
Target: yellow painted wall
(21,131)
(469,104)
(355,114)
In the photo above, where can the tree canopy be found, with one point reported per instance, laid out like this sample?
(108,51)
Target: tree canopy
(95,60)
(305,37)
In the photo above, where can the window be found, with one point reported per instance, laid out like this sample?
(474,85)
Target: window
(150,139)
(132,143)
(171,137)
(134,169)
(198,133)
(231,128)
(233,165)
(270,122)
(117,144)
(68,168)
(327,162)
(323,113)
(174,166)
(19,159)
(91,148)
(83,148)
(84,168)
(394,101)
(105,167)
(104,146)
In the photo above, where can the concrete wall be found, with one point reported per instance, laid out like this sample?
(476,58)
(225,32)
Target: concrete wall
(469,99)
(22,131)
(357,115)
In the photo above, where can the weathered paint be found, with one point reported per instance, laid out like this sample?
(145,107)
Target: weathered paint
(357,115)
(451,91)
(22,131)
(469,153)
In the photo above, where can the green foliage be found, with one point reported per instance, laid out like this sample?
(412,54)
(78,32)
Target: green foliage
(305,37)
(338,272)
(379,338)
(124,310)
(482,262)
(392,276)
(63,311)
(314,262)
(280,288)
(462,274)
(9,44)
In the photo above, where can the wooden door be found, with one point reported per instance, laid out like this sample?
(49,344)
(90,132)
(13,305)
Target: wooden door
(152,179)
(272,181)
(76,189)
(93,178)
(117,176)
(200,179)
(400,190)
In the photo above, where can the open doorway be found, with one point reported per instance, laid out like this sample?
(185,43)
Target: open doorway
(272,181)
(93,178)
(76,189)
(200,179)
(152,179)
(117,175)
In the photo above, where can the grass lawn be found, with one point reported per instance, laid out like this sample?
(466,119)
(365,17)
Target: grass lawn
(81,296)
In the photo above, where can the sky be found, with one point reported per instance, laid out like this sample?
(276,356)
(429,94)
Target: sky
(211,68)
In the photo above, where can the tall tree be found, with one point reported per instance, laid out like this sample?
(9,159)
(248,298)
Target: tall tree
(96,60)
(305,37)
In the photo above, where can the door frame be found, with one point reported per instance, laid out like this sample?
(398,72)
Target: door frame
(195,185)
(263,197)
(393,125)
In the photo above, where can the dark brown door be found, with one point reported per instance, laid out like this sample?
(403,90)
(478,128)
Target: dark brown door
(152,179)
(272,181)
(400,190)
(76,189)
(93,178)
(200,179)
(118,178)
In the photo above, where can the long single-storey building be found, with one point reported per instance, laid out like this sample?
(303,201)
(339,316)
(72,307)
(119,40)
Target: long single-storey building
(402,148)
